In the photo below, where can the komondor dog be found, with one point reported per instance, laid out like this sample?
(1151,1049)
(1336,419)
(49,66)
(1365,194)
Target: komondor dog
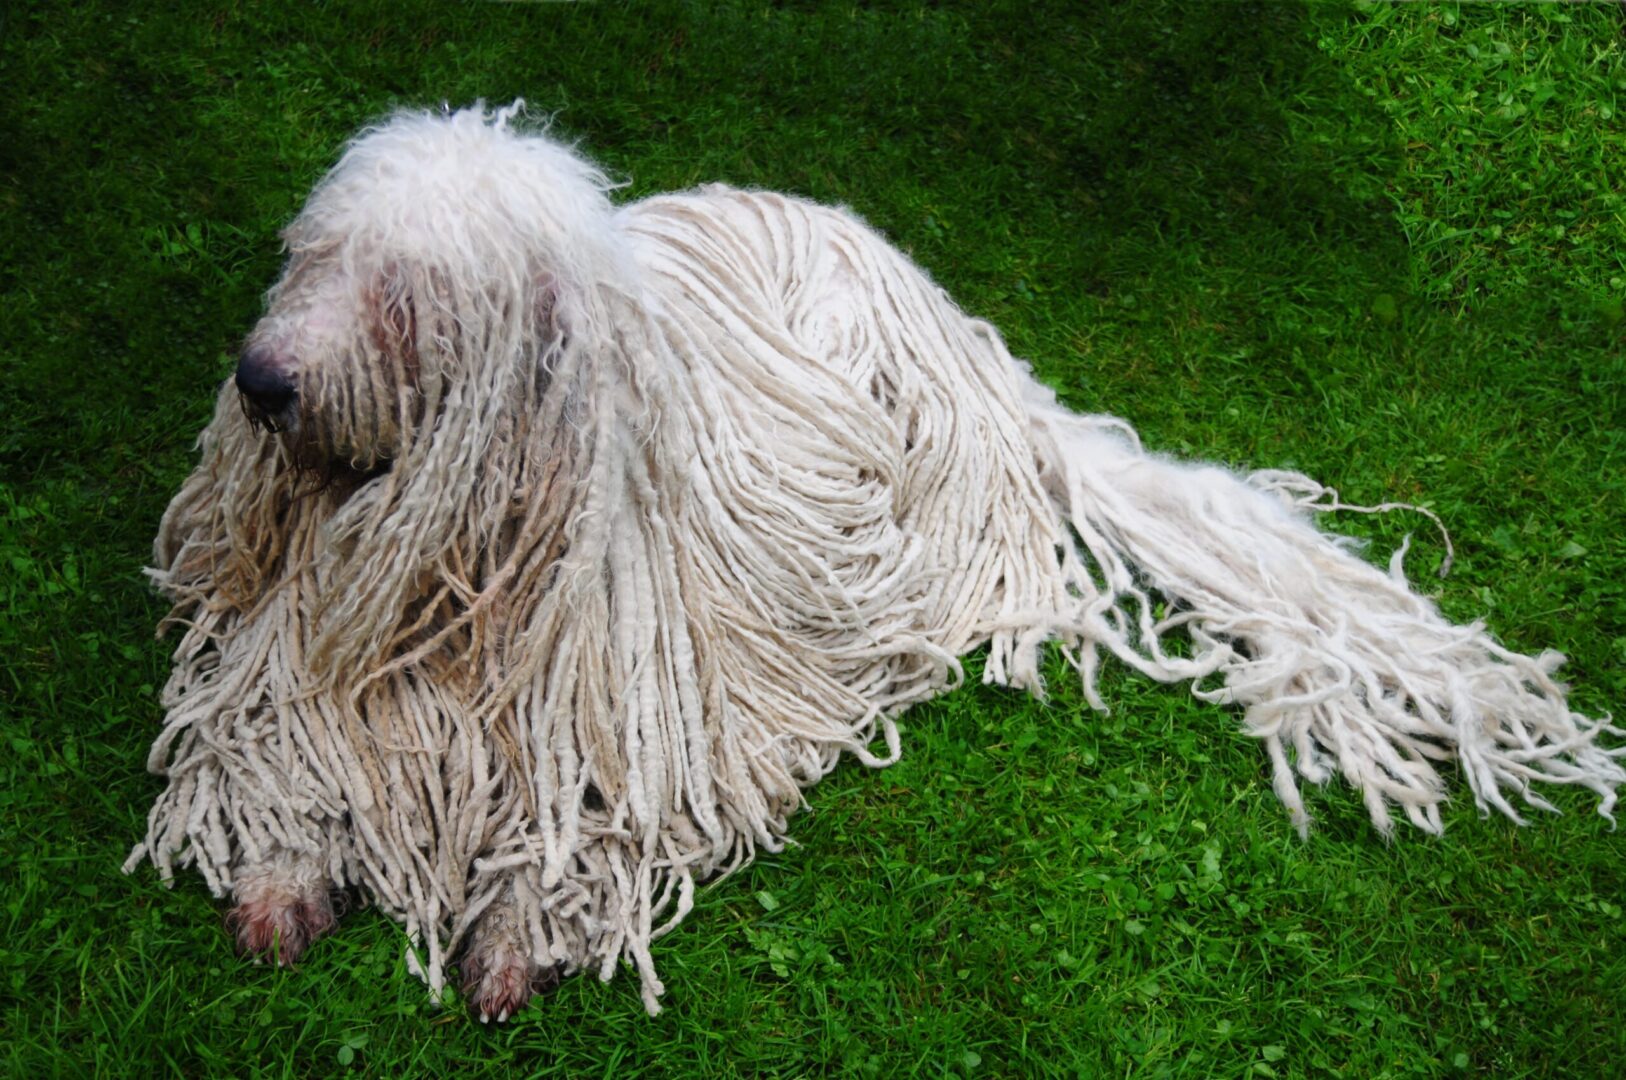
(544,550)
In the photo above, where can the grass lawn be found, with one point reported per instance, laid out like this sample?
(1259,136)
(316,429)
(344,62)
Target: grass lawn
(1384,244)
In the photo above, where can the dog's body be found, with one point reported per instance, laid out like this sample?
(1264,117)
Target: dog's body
(636,520)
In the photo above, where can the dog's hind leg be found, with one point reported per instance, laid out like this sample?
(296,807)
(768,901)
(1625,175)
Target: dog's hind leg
(283,905)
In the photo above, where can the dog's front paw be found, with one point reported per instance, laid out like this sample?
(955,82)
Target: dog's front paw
(278,915)
(499,978)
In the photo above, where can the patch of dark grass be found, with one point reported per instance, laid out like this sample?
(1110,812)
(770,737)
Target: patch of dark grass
(1377,242)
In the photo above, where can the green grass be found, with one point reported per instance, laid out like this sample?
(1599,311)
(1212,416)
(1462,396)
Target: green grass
(1380,243)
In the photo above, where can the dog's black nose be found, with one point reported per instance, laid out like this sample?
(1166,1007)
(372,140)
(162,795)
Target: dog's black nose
(259,378)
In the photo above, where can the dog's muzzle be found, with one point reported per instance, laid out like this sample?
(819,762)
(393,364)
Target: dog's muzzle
(268,390)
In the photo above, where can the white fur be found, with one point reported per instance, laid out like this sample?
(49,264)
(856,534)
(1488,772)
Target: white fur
(684,501)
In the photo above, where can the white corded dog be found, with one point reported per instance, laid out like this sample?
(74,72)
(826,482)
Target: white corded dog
(545,550)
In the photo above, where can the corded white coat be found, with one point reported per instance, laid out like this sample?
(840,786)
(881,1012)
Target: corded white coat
(638,519)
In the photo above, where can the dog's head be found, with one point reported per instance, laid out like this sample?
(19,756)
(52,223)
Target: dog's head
(433,274)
